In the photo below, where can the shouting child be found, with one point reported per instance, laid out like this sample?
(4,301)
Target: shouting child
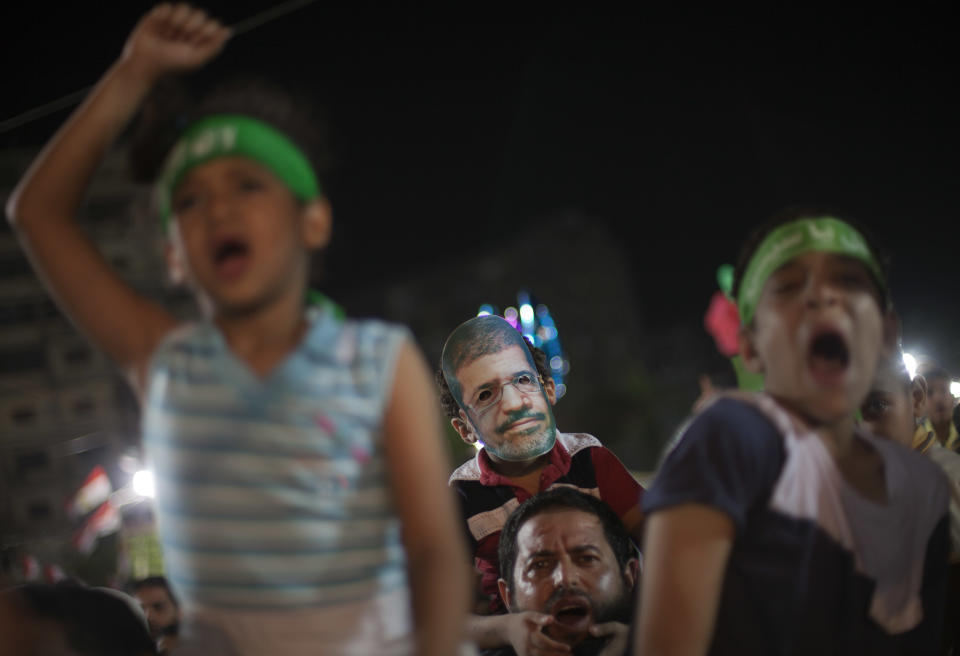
(301,496)
(777,525)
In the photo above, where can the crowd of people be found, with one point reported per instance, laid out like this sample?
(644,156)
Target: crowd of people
(304,500)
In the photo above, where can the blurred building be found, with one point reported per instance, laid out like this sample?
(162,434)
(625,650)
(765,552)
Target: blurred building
(63,407)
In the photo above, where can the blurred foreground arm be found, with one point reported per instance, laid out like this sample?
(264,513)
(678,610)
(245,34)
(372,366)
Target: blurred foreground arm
(418,464)
(685,556)
(45,204)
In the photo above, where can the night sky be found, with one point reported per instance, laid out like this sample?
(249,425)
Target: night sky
(679,133)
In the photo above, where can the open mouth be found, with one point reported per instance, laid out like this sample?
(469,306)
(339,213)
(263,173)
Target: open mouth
(571,616)
(230,256)
(572,612)
(828,355)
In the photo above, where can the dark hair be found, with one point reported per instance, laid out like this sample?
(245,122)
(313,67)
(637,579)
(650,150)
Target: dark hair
(170,109)
(449,404)
(154,582)
(932,371)
(795,213)
(564,498)
(95,622)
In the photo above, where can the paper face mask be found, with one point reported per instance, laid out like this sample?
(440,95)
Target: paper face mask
(494,379)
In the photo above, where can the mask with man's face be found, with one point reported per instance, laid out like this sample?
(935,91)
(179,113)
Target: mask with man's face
(493,377)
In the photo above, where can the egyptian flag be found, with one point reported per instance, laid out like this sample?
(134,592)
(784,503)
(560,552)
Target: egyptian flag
(53,573)
(104,521)
(29,567)
(94,491)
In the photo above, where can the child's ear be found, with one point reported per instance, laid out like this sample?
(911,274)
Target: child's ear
(918,394)
(176,270)
(550,387)
(317,223)
(748,351)
(504,592)
(463,427)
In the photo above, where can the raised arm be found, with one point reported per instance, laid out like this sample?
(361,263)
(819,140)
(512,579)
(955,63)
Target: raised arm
(44,206)
(419,466)
(685,556)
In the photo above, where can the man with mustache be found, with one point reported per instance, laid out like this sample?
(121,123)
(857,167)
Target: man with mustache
(566,554)
(163,612)
(496,393)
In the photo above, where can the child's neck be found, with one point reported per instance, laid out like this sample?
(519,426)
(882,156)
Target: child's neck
(262,339)
(860,464)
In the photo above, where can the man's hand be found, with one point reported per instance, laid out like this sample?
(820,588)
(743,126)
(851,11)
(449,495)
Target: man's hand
(707,392)
(173,39)
(617,633)
(526,636)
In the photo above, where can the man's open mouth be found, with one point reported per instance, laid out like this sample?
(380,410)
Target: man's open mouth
(572,611)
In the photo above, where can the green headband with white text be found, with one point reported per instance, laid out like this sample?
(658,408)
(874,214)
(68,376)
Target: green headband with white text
(224,135)
(823,234)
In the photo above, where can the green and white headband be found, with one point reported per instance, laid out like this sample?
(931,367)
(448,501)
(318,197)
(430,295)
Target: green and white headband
(224,135)
(823,234)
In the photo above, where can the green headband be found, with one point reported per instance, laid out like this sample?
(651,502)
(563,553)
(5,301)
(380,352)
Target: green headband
(223,135)
(824,234)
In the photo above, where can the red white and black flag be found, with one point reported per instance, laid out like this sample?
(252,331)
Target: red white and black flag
(94,491)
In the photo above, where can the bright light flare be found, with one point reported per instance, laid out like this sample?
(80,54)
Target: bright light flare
(143,483)
(526,313)
(955,388)
(910,363)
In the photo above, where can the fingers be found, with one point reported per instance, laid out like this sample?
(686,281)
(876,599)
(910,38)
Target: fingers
(706,385)
(618,633)
(540,644)
(182,22)
(538,619)
(532,641)
(608,629)
(707,390)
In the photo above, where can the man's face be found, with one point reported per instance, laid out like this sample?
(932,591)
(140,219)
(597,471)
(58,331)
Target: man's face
(161,612)
(888,410)
(520,426)
(566,568)
(817,335)
(939,400)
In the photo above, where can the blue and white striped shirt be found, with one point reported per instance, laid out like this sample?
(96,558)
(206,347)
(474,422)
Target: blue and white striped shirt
(272,492)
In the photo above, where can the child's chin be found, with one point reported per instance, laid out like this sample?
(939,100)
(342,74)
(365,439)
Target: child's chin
(833,409)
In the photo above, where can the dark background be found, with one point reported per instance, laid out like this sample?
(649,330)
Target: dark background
(457,127)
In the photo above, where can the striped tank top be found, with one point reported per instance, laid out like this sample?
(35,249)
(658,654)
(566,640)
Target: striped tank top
(272,491)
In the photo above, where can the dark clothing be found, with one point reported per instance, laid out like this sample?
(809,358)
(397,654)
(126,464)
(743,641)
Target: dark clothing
(815,568)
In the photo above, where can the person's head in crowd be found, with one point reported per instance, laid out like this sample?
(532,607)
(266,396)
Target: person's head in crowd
(71,619)
(159,604)
(811,290)
(895,402)
(500,394)
(567,554)
(940,401)
(249,129)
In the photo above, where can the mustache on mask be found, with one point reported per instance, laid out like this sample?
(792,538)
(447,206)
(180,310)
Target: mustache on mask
(516,416)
